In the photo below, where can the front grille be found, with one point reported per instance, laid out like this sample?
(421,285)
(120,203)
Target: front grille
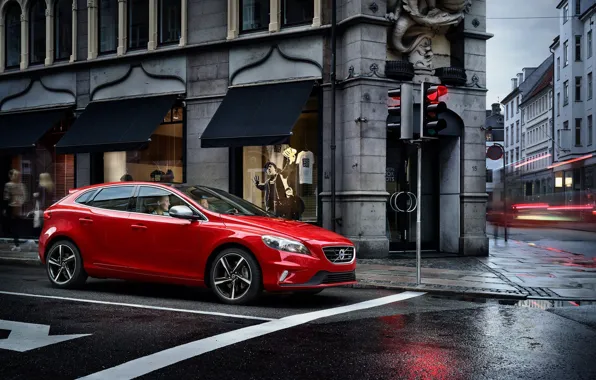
(334,278)
(338,255)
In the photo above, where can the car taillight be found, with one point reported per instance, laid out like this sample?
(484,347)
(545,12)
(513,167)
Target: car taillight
(47,215)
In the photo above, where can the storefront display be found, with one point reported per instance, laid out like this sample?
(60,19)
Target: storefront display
(282,179)
(161,161)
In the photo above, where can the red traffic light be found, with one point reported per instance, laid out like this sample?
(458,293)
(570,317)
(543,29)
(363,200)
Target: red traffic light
(434,93)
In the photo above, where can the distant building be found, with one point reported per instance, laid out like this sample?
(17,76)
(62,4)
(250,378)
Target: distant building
(575,152)
(494,129)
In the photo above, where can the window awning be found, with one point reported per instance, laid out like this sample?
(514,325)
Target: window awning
(116,125)
(20,132)
(257,115)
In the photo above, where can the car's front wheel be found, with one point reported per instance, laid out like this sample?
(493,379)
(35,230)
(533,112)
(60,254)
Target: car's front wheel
(235,277)
(64,265)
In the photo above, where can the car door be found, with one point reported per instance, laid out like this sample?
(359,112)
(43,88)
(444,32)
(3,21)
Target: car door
(164,246)
(107,218)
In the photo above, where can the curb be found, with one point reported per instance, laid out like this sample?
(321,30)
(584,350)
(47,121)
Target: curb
(474,293)
(20,260)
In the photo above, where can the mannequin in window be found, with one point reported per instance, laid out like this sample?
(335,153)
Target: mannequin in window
(276,191)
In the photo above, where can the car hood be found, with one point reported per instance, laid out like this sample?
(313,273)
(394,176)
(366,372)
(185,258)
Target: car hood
(291,228)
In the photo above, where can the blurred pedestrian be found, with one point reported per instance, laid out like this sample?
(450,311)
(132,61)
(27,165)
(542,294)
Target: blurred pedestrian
(44,197)
(15,195)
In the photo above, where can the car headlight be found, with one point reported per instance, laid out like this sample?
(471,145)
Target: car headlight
(284,244)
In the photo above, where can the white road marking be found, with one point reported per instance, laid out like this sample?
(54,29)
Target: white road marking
(140,306)
(162,359)
(30,336)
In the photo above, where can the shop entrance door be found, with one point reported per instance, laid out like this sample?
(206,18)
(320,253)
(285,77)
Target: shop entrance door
(401,183)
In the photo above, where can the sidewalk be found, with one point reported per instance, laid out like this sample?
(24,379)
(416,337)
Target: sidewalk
(514,269)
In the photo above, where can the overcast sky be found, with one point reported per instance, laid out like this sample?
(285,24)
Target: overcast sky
(517,43)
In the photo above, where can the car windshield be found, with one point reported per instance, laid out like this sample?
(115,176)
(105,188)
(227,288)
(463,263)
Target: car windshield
(221,201)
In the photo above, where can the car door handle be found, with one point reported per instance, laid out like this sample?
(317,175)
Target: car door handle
(85,220)
(138,227)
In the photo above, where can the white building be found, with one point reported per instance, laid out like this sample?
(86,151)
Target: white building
(575,152)
(537,141)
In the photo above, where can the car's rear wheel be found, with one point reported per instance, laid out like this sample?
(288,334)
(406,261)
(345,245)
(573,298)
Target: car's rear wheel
(65,266)
(235,277)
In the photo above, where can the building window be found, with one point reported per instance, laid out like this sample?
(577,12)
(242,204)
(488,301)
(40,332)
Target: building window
(254,15)
(578,132)
(506,136)
(138,24)
(108,26)
(517,131)
(565,13)
(63,29)
(566,125)
(12,33)
(558,104)
(162,161)
(566,93)
(566,53)
(37,32)
(489,176)
(283,179)
(296,12)
(590,88)
(578,48)
(590,130)
(558,68)
(517,106)
(590,52)
(170,15)
(578,7)
(578,89)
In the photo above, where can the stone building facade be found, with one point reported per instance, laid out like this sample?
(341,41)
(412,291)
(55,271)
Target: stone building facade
(243,85)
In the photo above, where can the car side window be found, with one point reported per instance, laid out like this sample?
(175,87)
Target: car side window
(85,197)
(115,198)
(156,201)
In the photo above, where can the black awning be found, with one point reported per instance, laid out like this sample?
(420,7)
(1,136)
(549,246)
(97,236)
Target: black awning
(116,125)
(20,132)
(257,115)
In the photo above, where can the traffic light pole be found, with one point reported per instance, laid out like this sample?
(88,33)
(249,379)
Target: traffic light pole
(418,215)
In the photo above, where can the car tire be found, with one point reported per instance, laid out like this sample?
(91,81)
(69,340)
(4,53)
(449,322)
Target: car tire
(221,282)
(64,265)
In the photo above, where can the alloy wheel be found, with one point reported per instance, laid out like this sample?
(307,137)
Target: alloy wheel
(62,263)
(232,276)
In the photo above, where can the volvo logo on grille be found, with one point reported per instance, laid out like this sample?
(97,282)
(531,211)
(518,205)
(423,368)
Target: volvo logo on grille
(342,254)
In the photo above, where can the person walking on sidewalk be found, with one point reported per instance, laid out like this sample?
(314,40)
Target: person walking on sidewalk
(14,196)
(44,197)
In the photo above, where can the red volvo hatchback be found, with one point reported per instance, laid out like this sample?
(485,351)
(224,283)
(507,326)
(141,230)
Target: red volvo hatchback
(190,235)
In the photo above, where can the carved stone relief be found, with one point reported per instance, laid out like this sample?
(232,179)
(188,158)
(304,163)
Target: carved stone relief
(416,22)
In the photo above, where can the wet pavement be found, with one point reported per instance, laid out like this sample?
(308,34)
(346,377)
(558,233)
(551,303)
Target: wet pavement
(568,240)
(153,331)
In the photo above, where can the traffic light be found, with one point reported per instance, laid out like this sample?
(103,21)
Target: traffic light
(400,107)
(432,106)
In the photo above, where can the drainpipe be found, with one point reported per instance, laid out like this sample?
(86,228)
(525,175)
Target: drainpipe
(333,77)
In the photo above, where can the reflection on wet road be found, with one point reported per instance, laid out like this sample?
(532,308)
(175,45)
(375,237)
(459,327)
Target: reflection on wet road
(339,334)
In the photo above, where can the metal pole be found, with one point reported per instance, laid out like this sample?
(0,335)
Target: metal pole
(418,221)
(504,191)
(333,74)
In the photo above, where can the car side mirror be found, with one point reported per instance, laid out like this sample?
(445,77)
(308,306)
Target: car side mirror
(183,212)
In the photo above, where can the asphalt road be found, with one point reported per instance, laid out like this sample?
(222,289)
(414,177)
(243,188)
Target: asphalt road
(129,330)
(579,242)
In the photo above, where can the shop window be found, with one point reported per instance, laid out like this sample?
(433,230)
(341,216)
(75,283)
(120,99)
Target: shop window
(161,161)
(170,17)
(63,29)
(282,179)
(138,24)
(296,12)
(12,34)
(37,32)
(108,26)
(254,15)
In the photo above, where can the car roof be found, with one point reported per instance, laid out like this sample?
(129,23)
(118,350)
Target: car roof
(132,183)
